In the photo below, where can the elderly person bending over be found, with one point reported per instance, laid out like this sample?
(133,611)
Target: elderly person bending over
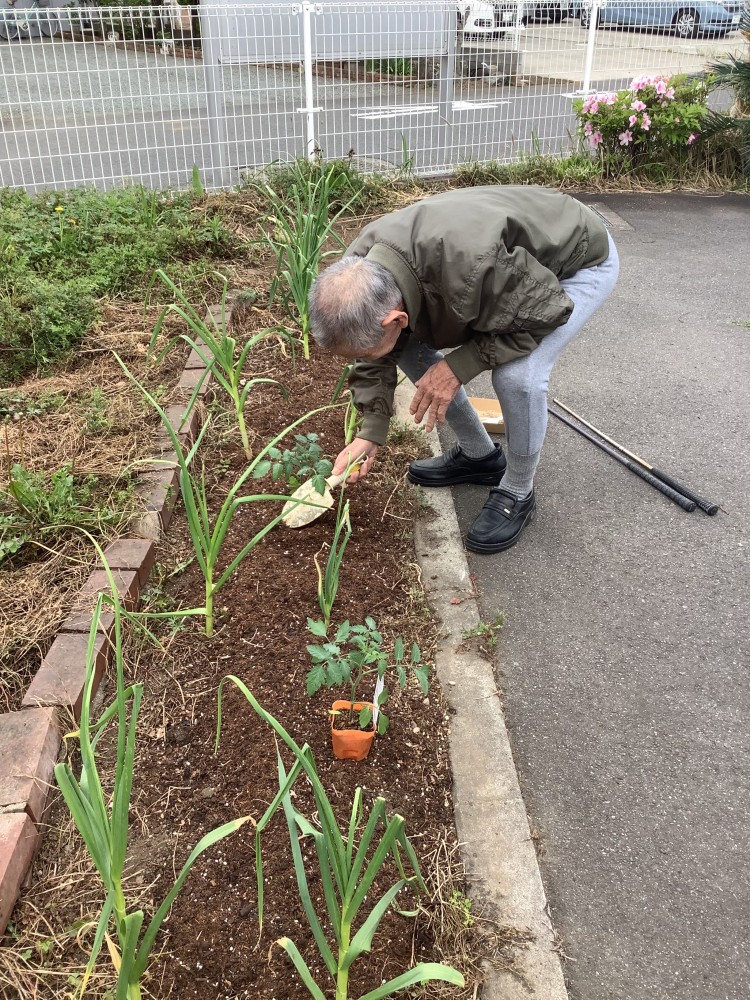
(505,276)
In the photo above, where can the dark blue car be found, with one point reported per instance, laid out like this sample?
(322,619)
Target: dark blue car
(686,18)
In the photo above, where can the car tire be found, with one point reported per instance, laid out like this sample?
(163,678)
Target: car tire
(586,18)
(8,29)
(685,23)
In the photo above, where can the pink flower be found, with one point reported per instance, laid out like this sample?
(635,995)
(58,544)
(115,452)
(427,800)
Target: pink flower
(633,119)
(661,87)
(677,119)
(670,94)
(594,105)
(625,137)
(646,122)
(588,128)
(595,139)
(692,138)
(638,106)
(610,99)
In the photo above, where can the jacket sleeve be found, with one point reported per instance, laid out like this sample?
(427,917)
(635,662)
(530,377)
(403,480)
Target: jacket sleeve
(373,386)
(510,303)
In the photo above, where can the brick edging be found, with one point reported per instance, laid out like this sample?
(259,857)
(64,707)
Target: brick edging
(30,738)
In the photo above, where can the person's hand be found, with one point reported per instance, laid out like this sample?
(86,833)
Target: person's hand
(351,453)
(436,390)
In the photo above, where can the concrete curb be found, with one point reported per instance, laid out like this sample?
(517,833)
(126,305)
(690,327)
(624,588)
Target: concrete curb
(30,738)
(491,821)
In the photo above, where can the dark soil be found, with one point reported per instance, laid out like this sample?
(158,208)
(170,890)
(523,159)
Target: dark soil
(213,929)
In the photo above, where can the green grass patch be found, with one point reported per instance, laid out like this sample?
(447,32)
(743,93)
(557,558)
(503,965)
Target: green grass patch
(46,509)
(63,252)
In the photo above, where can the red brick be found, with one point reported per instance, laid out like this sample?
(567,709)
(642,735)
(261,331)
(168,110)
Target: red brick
(161,490)
(29,744)
(62,675)
(190,379)
(80,621)
(131,553)
(126,584)
(18,840)
(175,414)
(163,445)
(196,361)
(167,463)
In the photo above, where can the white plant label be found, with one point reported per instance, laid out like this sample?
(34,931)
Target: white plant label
(375,705)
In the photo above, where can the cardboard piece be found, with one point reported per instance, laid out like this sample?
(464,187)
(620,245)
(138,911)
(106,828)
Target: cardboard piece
(490,414)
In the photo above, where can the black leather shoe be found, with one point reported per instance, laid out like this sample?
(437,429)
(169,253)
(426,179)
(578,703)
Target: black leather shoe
(454,467)
(500,523)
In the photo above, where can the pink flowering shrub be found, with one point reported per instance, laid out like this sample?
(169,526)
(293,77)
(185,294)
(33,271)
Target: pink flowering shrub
(654,117)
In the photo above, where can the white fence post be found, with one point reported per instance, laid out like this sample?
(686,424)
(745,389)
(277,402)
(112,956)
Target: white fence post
(590,44)
(308,9)
(448,68)
(215,110)
(447,81)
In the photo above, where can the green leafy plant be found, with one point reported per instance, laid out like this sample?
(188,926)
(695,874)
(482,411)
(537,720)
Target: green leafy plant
(734,74)
(652,118)
(218,351)
(303,461)
(393,67)
(328,581)
(347,872)
(488,632)
(35,507)
(41,321)
(102,819)
(15,405)
(461,903)
(95,416)
(301,228)
(197,183)
(352,417)
(208,530)
(333,665)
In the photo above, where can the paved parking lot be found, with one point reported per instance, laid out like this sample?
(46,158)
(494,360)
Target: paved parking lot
(76,112)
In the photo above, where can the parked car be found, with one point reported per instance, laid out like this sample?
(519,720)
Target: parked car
(548,10)
(685,19)
(485,20)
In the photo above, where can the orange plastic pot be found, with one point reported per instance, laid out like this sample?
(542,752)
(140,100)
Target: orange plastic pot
(351,744)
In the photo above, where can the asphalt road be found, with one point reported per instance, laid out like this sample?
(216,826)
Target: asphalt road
(623,663)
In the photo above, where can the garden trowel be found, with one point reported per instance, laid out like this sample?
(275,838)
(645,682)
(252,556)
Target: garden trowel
(297,515)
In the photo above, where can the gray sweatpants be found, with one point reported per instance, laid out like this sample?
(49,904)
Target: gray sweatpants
(521,385)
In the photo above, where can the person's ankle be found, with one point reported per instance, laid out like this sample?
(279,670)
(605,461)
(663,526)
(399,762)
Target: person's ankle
(479,458)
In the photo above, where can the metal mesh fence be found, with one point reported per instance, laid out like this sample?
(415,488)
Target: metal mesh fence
(113,95)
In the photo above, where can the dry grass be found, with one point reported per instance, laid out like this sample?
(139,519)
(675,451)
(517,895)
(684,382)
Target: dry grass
(34,601)
(49,940)
(460,934)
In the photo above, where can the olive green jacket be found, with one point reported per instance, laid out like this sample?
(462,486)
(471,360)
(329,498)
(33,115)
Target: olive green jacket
(480,271)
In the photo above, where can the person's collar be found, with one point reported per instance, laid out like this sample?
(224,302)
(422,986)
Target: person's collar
(405,277)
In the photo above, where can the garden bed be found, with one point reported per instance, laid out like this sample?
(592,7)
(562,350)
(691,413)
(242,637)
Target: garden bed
(211,943)
(212,946)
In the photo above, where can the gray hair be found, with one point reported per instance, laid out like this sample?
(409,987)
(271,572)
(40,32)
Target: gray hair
(348,303)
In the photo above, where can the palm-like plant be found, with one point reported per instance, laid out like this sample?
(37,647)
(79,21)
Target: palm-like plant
(735,74)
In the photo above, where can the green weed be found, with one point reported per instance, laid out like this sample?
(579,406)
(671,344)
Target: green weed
(95,416)
(488,632)
(34,507)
